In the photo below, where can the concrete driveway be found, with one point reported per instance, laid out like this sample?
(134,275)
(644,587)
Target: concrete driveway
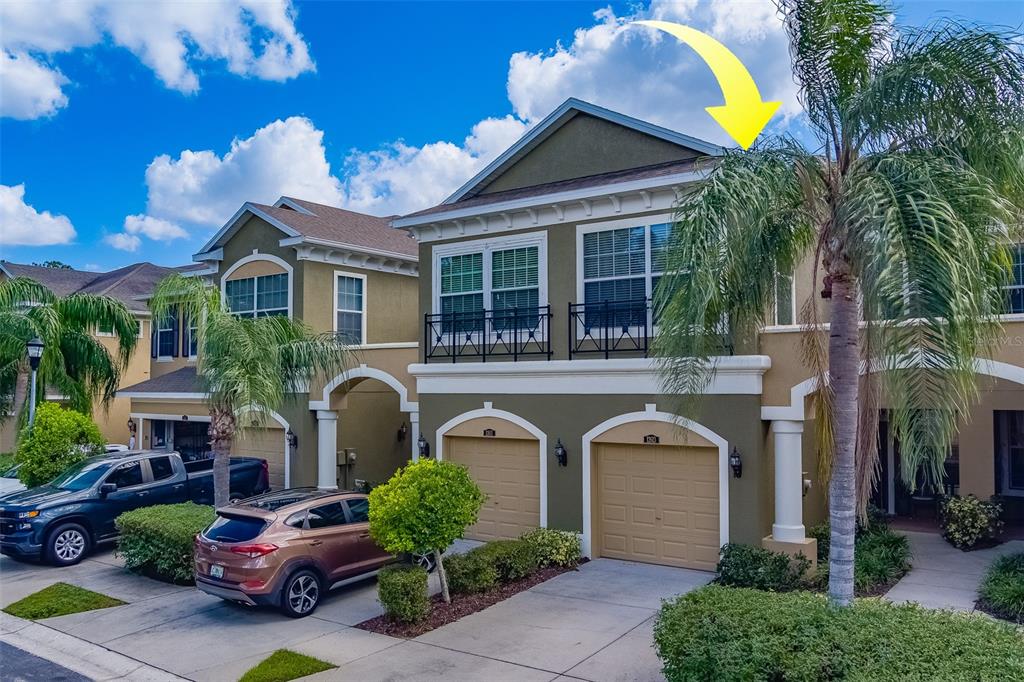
(592,624)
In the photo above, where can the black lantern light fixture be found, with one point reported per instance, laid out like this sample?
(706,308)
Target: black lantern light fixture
(293,440)
(736,462)
(561,454)
(403,430)
(35,353)
(424,446)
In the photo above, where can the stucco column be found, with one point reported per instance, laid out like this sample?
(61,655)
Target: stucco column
(327,448)
(789,493)
(414,419)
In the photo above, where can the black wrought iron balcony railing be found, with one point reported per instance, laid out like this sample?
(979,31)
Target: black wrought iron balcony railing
(481,334)
(610,327)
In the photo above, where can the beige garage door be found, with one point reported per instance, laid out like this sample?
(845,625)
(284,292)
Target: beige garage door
(657,504)
(266,444)
(508,471)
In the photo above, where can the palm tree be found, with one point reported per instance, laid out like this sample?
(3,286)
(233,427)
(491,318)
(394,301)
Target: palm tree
(244,363)
(906,210)
(73,362)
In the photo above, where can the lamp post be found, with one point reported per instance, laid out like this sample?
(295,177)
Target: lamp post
(35,352)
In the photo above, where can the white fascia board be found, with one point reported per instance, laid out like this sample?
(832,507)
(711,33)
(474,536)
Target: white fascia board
(151,395)
(285,201)
(733,375)
(247,207)
(203,256)
(559,117)
(353,248)
(554,198)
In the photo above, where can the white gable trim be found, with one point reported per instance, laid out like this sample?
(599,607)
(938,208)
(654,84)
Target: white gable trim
(212,251)
(562,115)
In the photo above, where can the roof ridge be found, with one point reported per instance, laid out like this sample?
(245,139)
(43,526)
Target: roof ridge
(134,268)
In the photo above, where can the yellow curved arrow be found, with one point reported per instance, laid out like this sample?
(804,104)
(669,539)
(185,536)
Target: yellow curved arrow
(744,114)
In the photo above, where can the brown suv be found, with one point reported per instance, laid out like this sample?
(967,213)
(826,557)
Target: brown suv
(287,548)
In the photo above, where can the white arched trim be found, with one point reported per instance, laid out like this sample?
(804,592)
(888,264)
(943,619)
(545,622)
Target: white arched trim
(287,446)
(364,372)
(488,411)
(795,410)
(650,413)
(256,257)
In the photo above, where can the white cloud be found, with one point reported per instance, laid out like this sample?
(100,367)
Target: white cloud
(402,178)
(123,241)
(253,38)
(203,189)
(23,225)
(643,73)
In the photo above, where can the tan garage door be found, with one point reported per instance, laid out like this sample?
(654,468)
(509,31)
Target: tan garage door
(508,471)
(266,444)
(657,504)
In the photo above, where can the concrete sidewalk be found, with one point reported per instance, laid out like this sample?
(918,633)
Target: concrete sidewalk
(944,577)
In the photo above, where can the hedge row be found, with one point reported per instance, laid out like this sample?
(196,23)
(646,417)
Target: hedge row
(725,633)
(158,541)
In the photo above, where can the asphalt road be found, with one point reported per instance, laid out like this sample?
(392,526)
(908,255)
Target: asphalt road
(20,666)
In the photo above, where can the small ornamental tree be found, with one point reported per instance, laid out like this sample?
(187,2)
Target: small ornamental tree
(59,439)
(423,509)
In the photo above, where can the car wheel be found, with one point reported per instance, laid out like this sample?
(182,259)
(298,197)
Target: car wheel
(425,561)
(301,593)
(67,544)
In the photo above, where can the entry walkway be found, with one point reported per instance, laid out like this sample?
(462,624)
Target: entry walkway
(943,577)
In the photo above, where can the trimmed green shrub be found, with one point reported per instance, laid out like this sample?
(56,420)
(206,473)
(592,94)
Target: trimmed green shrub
(512,559)
(718,633)
(424,508)
(761,569)
(966,521)
(1002,591)
(470,572)
(402,590)
(554,547)
(159,541)
(59,439)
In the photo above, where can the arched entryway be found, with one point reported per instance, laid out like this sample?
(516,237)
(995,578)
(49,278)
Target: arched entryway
(655,489)
(504,454)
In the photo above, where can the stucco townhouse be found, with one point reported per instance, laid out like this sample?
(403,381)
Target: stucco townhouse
(534,363)
(338,271)
(127,284)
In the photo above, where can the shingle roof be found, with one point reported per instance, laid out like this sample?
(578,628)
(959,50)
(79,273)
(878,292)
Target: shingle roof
(641,173)
(126,284)
(182,380)
(346,227)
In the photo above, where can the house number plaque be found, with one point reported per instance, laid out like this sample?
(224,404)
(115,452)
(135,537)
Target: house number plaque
(489,433)
(651,439)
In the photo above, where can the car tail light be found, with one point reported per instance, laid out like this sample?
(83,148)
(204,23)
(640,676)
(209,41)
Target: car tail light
(253,551)
(252,584)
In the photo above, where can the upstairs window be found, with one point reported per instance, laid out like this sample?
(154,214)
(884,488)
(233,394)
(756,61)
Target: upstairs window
(1015,290)
(784,305)
(166,336)
(351,309)
(258,296)
(462,283)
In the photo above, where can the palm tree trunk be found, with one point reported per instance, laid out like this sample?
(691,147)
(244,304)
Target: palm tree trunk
(443,577)
(222,433)
(844,356)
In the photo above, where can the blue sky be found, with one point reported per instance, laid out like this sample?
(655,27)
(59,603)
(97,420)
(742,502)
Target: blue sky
(119,145)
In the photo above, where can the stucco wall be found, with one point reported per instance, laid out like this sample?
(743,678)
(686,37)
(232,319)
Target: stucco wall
(568,417)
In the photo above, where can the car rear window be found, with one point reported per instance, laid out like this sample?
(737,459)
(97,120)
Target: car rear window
(234,529)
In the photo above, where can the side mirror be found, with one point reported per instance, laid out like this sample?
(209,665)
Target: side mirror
(107,488)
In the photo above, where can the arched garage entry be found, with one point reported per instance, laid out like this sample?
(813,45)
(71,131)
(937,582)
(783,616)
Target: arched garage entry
(505,456)
(655,489)
(267,441)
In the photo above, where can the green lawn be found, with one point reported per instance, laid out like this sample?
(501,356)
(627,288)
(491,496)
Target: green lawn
(284,665)
(60,599)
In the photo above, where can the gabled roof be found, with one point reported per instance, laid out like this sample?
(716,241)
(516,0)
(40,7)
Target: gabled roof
(318,223)
(181,381)
(126,284)
(558,118)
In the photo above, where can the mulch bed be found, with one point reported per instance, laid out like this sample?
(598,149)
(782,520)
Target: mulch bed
(462,605)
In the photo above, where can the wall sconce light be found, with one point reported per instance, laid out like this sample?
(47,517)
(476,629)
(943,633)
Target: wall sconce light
(561,454)
(424,446)
(131,426)
(293,440)
(402,431)
(736,462)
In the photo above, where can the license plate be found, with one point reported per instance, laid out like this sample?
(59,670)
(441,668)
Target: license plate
(216,571)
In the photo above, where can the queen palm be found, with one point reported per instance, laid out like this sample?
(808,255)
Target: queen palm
(906,209)
(244,364)
(74,363)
